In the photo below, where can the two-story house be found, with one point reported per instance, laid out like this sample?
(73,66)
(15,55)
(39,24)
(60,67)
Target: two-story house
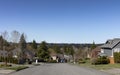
(110,47)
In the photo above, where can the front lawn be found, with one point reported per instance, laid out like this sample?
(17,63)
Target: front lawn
(101,66)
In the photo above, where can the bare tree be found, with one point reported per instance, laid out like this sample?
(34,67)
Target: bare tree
(15,36)
(5,37)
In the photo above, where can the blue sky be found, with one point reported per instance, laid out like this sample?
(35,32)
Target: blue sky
(62,21)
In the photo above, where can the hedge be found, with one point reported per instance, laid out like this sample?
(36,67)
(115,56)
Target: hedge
(100,60)
(117,57)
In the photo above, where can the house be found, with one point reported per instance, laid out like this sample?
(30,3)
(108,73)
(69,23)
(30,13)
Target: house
(3,53)
(28,54)
(16,52)
(69,58)
(61,58)
(111,46)
(54,57)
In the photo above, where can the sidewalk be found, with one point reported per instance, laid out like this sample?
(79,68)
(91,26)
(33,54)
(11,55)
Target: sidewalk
(4,72)
(7,71)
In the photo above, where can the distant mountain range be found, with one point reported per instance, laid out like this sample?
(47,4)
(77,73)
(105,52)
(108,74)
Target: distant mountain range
(82,45)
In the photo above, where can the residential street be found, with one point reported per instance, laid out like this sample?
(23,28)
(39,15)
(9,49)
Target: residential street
(58,69)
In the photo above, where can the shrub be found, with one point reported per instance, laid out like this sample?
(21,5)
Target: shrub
(81,61)
(117,57)
(9,60)
(95,61)
(3,65)
(52,61)
(100,60)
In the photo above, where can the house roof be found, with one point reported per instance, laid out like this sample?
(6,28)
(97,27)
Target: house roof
(111,43)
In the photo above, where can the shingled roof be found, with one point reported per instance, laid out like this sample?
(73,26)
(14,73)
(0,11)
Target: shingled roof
(111,43)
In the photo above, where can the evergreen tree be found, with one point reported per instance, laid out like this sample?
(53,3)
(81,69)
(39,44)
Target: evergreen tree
(69,50)
(22,45)
(34,45)
(66,50)
(22,42)
(93,46)
(1,42)
(43,52)
(56,49)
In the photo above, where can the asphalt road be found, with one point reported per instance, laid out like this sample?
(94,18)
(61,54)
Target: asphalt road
(59,69)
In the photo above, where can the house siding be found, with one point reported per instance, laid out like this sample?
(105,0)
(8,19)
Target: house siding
(108,52)
(117,48)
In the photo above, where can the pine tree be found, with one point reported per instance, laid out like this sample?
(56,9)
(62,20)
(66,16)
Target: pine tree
(1,42)
(22,43)
(43,52)
(34,45)
(22,46)
(56,49)
(71,50)
(93,46)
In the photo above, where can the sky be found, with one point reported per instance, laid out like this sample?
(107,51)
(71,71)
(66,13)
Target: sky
(62,21)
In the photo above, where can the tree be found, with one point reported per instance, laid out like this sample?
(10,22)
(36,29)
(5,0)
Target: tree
(22,42)
(34,45)
(15,36)
(22,46)
(1,42)
(93,46)
(43,52)
(5,43)
(56,49)
(69,50)
(5,39)
(5,35)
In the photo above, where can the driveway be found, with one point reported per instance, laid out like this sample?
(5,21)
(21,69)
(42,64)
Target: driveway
(58,69)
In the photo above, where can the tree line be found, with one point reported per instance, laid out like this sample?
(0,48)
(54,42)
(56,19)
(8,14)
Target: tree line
(42,50)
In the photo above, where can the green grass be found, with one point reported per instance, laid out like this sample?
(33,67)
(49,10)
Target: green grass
(17,68)
(101,67)
(3,65)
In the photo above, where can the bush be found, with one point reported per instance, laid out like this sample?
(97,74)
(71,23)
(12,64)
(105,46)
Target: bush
(81,61)
(100,60)
(52,61)
(117,57)
(9,60)
(30,62)
(3,65)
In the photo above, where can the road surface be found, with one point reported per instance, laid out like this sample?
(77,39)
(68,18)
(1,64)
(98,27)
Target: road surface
(58,69)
